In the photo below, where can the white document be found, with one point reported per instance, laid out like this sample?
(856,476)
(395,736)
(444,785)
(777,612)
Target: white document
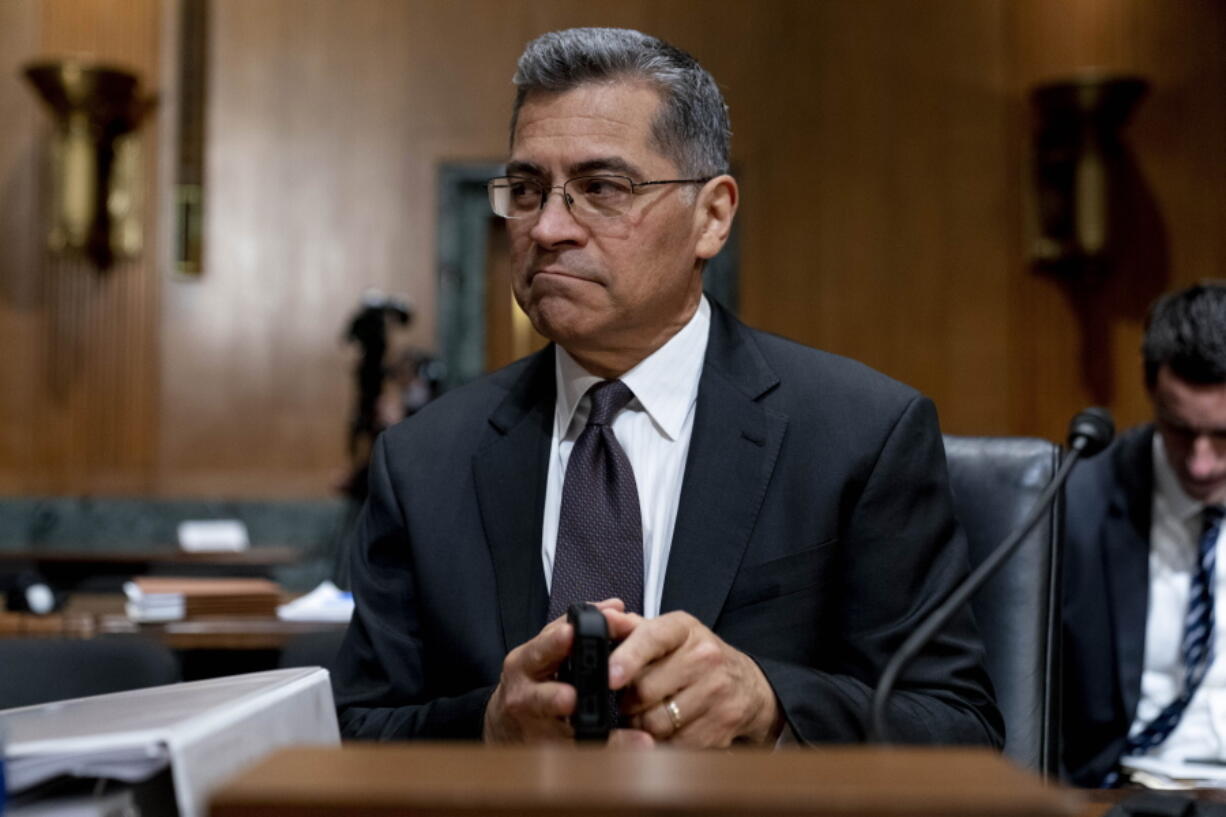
(326,602)
(1155,773)
(213,536)
(205,731)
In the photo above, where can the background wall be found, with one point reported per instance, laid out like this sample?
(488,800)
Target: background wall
(79,378)
(882,147)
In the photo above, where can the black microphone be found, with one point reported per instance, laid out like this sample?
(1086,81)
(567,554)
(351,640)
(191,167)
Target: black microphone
(1089,432)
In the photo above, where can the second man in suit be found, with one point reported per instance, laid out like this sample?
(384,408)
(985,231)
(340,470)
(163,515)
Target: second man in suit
(1142,595)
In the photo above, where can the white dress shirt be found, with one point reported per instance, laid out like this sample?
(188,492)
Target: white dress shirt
(1174,540)
(654,431)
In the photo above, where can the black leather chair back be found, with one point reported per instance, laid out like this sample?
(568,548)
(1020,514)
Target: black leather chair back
(40,670)
(995,482)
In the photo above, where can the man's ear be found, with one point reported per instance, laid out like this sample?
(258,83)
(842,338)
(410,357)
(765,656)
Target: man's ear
(716,206)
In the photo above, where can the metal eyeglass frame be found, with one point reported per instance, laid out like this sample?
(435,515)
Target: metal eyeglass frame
(568,199)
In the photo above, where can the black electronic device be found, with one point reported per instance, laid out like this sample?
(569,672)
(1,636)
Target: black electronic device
(587,670)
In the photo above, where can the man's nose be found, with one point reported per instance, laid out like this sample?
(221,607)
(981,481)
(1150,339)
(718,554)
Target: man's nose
(1204,461)
(556,224)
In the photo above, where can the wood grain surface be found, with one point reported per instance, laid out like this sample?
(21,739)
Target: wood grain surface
(882,148)
(457,779)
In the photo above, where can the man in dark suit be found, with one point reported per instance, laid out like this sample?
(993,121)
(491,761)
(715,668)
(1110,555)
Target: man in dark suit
(764,525)
(1140,523)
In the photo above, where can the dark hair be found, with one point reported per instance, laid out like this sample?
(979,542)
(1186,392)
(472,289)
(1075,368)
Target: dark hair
(1186,330)
(692,126)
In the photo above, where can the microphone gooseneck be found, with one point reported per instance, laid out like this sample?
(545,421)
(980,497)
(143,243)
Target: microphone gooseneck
(1089,433)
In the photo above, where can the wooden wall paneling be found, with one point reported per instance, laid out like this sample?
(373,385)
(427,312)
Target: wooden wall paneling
(1055,340)
(883,162)
(1177,47)
(104,344)
(882,147)
(21,296)
(83,361)
(1178,135)
(303,214)
(326,123)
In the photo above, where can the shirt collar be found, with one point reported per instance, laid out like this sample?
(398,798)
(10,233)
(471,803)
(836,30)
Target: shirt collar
(1167,485)
(665,383)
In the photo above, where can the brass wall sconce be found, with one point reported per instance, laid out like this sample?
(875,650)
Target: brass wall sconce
(95,158)
(1077,161)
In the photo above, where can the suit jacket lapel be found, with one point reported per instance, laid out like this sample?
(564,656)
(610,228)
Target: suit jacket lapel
(1125,550)
(510,470)
(733,449)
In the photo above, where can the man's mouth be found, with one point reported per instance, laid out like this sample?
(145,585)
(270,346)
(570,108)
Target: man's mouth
(561,273)
(1199,488)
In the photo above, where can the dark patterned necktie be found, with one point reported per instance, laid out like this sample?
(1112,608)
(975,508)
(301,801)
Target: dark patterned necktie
(1197,644)
(600,532)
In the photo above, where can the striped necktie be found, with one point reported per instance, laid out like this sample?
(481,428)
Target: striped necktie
(1196,648)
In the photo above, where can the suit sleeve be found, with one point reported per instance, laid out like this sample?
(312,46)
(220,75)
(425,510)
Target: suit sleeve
(379,677)
(901,552)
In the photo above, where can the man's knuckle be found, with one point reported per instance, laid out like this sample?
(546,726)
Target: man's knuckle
(514,700)
(707,654)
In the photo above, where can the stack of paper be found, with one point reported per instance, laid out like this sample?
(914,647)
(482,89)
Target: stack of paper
(325,603)
(159,598)
(204,731)
(1193,773)
(213,536)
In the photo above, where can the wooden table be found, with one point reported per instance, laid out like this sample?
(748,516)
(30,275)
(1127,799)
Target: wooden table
(1099,801)
(67,569)
(90,614)
(447,780)
(222,632)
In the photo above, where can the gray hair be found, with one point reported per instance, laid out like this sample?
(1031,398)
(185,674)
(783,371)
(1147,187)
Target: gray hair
(692,126)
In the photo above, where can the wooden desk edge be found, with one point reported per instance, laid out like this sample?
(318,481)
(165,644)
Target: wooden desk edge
(257,556)
(456,779)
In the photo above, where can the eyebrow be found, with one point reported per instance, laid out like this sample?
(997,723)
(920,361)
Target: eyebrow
(1180,427)
(606,164)
(523,169)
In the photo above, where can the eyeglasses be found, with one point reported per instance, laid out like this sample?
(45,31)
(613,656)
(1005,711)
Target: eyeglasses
(596,196)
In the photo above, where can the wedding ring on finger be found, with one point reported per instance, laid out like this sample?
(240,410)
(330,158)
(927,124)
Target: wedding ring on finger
(674,713)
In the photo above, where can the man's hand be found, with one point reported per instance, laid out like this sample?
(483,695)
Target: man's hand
(529,704)
(716,694)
